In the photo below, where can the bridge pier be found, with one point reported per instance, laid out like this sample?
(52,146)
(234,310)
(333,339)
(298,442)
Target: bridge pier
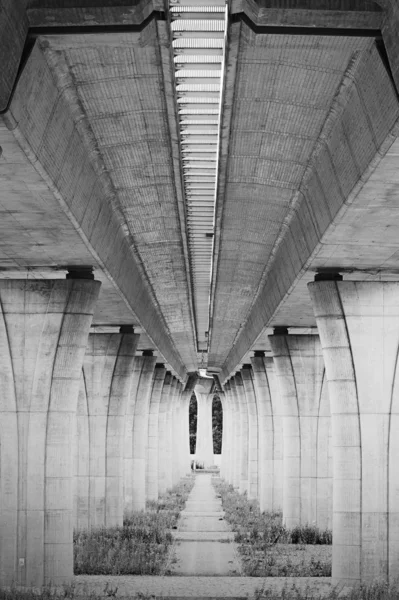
(238,390)
(98,447)
(270,437)
(152,468)
(358,325)
(44,325)
(162,433)
(253,431)
(307,484)
(204,450)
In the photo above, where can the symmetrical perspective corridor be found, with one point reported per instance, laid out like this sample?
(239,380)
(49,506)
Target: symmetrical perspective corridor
(198,198)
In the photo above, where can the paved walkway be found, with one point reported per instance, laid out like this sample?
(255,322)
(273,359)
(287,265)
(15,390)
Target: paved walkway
(204,544)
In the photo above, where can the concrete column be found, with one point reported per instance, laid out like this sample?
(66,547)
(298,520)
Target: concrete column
(177,435)
(153,433)
(13,31)
(44,327)
(301,374)
(105,387)
(169,434)
(358,325)
(270,437)
(238,389)
(128,471)
(185,446)
(225,464)
(140,429)
(237,444)
(204,450)
(162,444)
(253,431)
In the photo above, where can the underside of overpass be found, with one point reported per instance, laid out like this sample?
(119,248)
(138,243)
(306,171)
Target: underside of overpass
(205,160)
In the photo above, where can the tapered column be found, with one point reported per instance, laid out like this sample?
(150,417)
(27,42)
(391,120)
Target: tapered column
(270,436)
(169,433)
(153,433)
(300,369)
(162,445)
(358,324)
(128,471)
(244,432)
(225,465)
(177,435)
(105,387)
(140,429)
(44,327)
(185,428)
(237,440)
(253,431)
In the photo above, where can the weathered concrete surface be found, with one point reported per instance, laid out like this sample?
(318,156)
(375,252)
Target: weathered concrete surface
(43,334)
(204,544)
(359,331)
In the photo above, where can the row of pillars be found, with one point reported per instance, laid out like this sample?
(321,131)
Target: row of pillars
(313,429)
(88,430)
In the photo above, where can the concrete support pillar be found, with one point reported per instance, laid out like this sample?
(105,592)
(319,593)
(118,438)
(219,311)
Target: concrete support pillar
(128,471)
(227,432)
(103,395)
(177,434)
(185,462)
(140,429)
(44,327)
(153,433)
(204,450)
(162,444)
(169,434)
(358,325)
(301,374)
(270,435)
(237,443)
(253,431)
(238,389)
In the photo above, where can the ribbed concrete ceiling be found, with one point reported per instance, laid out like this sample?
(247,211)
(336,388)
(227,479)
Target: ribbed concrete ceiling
(119,82)
(284,88)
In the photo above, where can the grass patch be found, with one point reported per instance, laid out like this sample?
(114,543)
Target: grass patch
(140,547)
(267,548)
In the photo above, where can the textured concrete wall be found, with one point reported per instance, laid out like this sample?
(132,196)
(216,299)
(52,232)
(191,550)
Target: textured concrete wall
(43,335)
(358,324)
(301,375)
(103,396)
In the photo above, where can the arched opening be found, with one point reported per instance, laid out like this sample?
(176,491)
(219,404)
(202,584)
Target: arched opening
(193,412)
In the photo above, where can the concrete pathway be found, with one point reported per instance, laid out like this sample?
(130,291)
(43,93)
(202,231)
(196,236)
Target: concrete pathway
(204,544)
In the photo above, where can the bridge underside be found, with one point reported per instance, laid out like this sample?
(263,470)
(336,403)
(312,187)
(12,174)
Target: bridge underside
(203,163)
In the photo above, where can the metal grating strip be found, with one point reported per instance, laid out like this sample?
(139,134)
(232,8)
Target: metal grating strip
(199,41)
